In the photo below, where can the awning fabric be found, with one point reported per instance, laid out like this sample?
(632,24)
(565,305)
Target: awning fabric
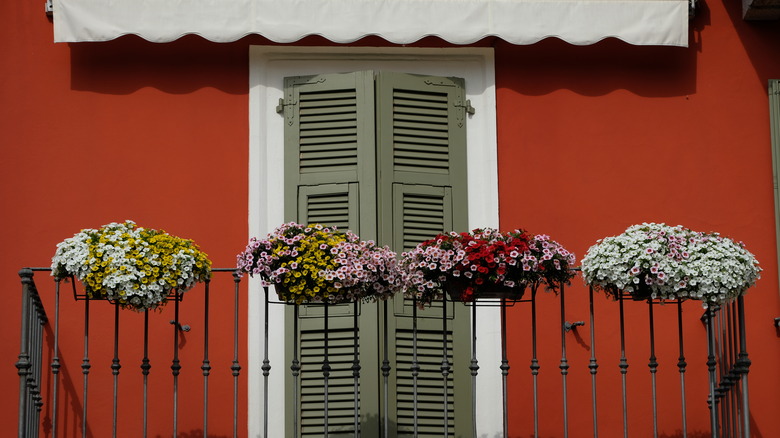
(641,22)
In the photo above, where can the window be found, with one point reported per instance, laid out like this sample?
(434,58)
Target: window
(383,154)
(268,68)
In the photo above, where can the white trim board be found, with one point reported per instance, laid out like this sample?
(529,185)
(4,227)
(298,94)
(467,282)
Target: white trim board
(268,66)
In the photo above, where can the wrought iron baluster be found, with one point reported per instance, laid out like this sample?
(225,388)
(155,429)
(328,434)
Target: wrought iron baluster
(115,366)
(206,366)
(85,366)
(40,321)
(55,361)
(711,368)
(731,377)
(534,362)
(445,363)
(415,367)
(356,368)
(736,378)
(564,366)
(593,364)
(737,399)
(295,368)
(623,365)
(40,366)
(681,364)
(175,364)
(385,374)
(653,364)
(23,362)
(145,367)
(28,369)
(504,368)
(721,401)
(266,364)
(326,370)
(474,368)
(32,386)
(733,389)
(235,368)
(743,364)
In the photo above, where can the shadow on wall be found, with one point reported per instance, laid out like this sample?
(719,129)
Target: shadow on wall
(129,63)
(596,70)
(195,433)
(603,67)
(70,413)
(759,38)
(691,434)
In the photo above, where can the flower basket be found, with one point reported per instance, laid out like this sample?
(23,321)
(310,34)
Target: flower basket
(484,264)
(139,268)
(318,264)
(650,261)
(461,290)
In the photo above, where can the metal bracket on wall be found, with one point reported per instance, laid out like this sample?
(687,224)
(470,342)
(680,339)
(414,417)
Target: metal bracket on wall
(49,8)
(691,9)
(183,328)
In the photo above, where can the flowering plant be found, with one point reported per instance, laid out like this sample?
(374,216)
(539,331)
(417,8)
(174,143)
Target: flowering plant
(134,266)
(484,260)
(315,263)
(661,261)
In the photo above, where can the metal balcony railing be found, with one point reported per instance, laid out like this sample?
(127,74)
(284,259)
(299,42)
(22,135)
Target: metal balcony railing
(727,366)
(30,363)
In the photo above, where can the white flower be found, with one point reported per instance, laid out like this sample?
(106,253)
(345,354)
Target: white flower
(673,261)
(122,262)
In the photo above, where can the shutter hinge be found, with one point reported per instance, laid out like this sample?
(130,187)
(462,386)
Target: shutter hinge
(286,107)
(467,109)
(466,106)
(49,8)
(283,103)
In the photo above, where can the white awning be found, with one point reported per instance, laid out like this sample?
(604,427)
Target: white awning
(642,22)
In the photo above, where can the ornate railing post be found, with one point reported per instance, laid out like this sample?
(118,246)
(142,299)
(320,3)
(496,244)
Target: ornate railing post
(23,364)
(743,367)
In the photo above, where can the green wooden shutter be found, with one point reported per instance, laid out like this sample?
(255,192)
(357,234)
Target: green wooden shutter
(329,175)
(398,177)
(774,116)
(422,192)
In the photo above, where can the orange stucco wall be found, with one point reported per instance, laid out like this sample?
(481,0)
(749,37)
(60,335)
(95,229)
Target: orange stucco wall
(594,139)
(591,140)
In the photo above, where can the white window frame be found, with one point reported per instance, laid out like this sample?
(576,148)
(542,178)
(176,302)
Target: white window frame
(268,66)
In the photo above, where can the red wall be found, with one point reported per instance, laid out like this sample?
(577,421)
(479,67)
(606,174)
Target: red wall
(94,133)
(594,139)
(591,140)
